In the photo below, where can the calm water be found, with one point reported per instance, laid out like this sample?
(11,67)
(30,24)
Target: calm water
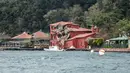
(63,62)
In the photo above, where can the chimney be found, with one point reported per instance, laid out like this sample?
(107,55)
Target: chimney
(96,29)
(92,29)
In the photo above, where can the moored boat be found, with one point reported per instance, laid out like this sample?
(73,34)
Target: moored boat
(53,48)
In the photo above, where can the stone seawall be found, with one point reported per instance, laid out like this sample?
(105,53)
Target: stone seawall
(18,48)
(114,49)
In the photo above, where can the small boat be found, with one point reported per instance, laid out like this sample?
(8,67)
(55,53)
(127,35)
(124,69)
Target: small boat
(53,48)
(101,52)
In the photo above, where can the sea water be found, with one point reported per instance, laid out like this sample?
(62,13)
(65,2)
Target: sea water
(63,62)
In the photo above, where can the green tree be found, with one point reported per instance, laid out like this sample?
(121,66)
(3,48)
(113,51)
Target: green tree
(123,27)
(74,14)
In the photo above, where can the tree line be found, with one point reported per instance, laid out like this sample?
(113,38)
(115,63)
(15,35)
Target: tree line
(17,16)
(111,16)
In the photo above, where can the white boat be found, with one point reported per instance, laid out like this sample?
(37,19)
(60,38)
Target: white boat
(53,48)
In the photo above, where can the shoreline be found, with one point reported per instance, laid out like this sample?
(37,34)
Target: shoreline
(127,50)
(20,49)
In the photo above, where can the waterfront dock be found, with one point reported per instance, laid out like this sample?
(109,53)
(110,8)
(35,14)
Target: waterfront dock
(18,48)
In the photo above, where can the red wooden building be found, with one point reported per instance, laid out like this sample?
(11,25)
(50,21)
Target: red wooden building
(67,35)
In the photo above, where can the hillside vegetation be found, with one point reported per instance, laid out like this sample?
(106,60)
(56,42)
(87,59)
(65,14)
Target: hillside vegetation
(111,16)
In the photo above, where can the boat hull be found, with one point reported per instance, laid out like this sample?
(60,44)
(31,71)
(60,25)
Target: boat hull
(53,48)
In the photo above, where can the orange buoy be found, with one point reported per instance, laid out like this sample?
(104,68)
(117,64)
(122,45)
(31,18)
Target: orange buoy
(101,52)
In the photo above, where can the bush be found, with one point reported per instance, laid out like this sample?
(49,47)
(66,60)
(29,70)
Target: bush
(97,42)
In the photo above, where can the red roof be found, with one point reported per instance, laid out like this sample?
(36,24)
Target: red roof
(24,35)
(40,35)
(82,36)
(79,29)
(62,23)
